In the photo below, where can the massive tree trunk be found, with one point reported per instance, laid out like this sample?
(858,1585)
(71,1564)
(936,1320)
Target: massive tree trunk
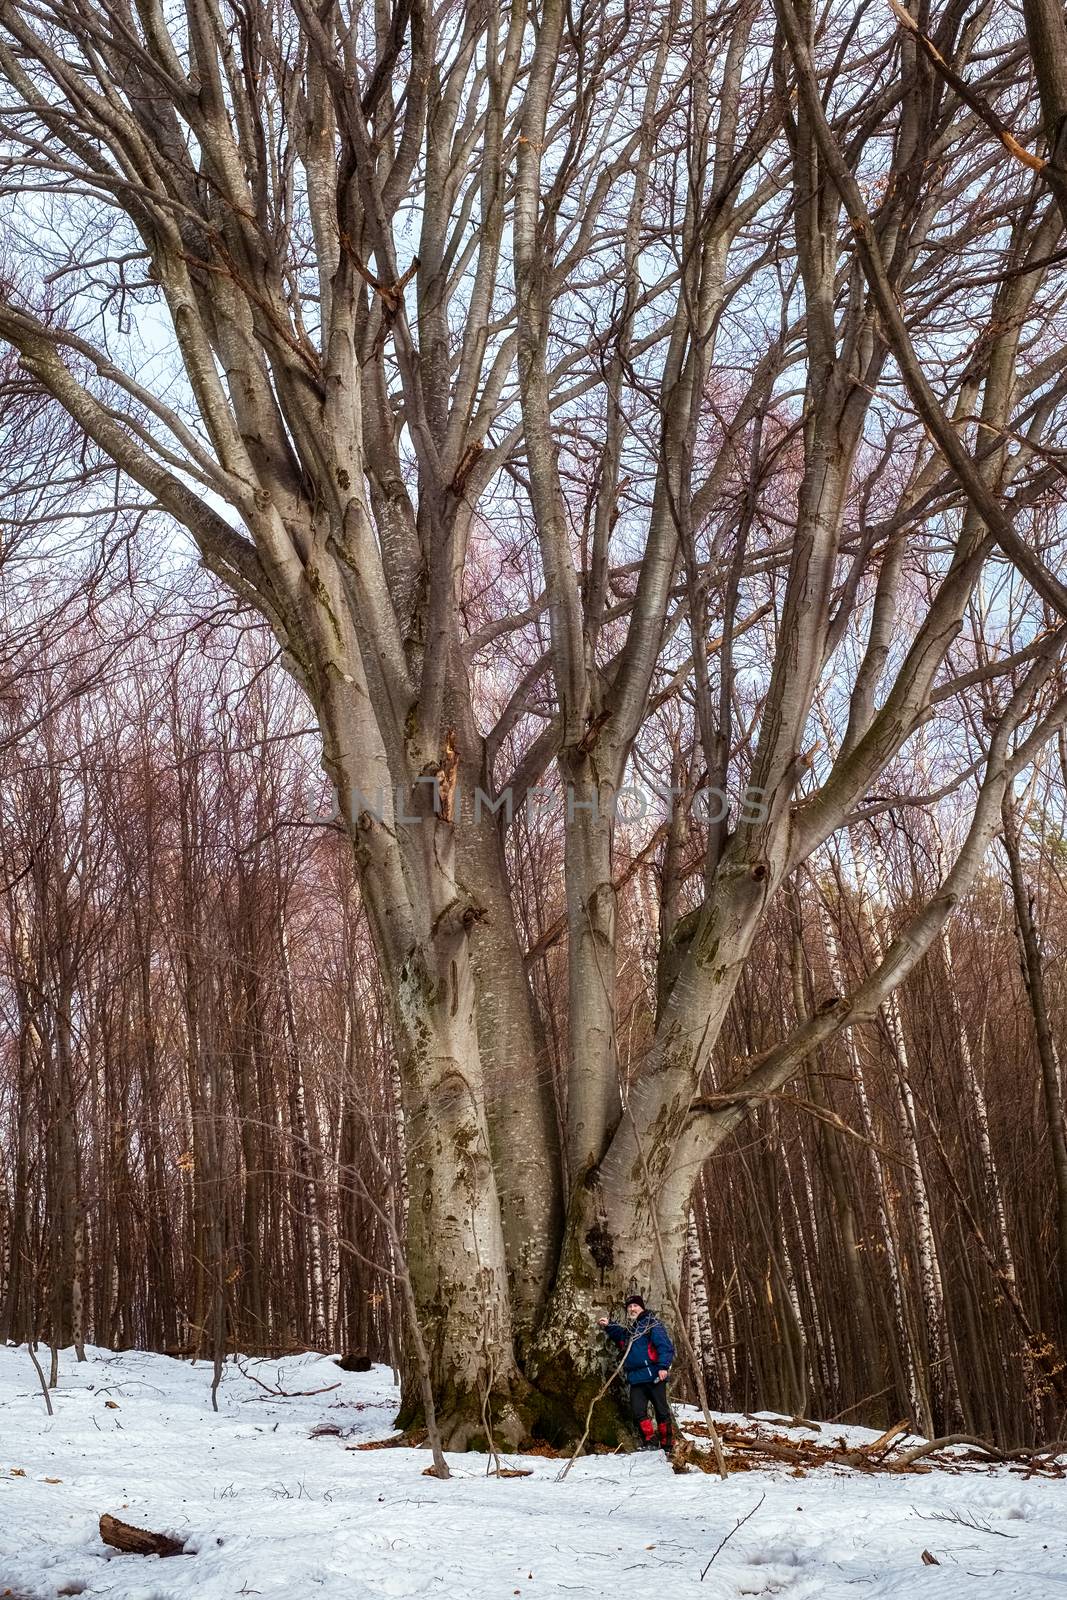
(421,914)
(455,1238)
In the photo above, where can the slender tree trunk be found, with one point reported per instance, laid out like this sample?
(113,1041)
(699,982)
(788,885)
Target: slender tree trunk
(699,1310)
(16,1318)
(77,1287)
(914,1395)
(307,1195)
(1033,973)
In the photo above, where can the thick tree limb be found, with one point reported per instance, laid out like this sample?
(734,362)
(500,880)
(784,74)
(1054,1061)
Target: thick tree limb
(926,403)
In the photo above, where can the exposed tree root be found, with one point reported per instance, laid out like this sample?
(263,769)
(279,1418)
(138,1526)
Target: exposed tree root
(472,1421)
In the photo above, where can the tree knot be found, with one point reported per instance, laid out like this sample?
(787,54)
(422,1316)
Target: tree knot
(601,1246)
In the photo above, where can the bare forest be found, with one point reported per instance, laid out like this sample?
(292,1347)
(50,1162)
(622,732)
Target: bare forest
(533,692)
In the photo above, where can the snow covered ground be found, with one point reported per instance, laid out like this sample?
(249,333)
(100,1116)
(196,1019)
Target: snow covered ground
(268,1509)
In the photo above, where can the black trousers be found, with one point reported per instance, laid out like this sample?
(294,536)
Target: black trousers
(644,1394)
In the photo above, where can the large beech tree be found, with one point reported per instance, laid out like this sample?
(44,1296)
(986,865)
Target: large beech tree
(746,320)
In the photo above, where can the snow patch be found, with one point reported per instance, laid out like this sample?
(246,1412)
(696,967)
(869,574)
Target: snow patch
(271,1502)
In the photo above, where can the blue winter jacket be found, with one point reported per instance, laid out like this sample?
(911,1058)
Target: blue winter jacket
(651,1349)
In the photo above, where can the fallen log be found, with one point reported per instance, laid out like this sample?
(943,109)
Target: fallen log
(137,1541)
(983,1447)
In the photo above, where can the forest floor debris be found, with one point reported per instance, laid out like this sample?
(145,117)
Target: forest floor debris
(753,1443)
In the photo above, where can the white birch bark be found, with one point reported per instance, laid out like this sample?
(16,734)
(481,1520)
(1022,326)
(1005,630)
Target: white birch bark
(700,1313)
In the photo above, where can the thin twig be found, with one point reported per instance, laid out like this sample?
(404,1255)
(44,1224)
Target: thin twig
(286,1394)
(40,1375)
(601,1392)
(957,1519)
(738,1524)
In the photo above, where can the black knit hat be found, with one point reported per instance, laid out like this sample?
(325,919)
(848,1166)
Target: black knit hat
(635,1300)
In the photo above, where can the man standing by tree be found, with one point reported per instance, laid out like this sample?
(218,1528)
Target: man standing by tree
(647,1356)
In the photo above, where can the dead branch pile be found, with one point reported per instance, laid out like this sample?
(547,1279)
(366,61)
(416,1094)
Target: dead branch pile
(758,1445)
